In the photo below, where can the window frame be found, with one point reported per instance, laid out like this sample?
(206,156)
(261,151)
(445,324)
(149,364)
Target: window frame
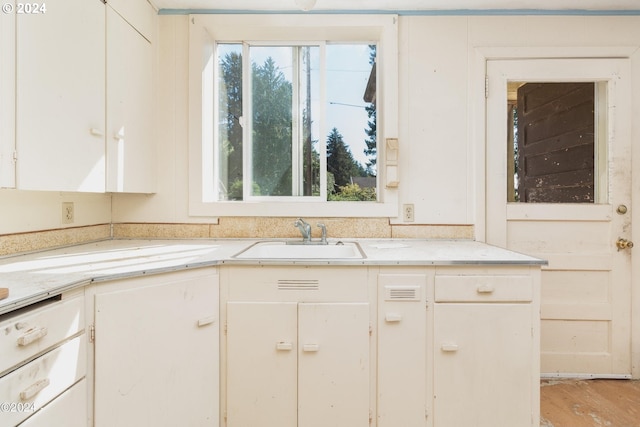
(206,30)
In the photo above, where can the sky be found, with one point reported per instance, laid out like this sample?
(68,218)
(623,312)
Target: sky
(348,71)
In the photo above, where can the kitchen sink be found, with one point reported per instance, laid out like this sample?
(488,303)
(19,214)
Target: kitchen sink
(298,250)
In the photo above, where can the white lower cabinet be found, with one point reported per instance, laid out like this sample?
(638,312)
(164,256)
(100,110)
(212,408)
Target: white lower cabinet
(298,351)
(403,354)
(43,352)
(68,410)
(385,346)
(285,346)
(156,351)
(486,348)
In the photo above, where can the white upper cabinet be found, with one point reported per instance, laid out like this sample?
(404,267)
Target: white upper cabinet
(83,98)
(60,92)
(7,99)
(131,158)
(138,13)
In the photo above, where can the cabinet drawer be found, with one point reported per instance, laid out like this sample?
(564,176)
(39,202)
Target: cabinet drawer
(42,379)
(483,288)
(68,409)
(28,334)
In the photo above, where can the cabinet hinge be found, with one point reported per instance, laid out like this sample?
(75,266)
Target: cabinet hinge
(370,415)
(225,328)
(370,330)
(92,333)
(486,86)
(15,156)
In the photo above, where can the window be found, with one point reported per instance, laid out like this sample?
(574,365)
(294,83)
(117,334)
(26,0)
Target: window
(287,112)
(556,143)
(275,137)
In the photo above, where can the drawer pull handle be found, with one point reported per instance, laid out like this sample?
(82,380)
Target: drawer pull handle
(33,334)
(206,321)
(485,289)
(34,389)
(284,346)
(393,317)
(310,347)
(449,347)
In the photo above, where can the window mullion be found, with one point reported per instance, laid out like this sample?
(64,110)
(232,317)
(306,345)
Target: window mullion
(322,145)
(247,123)
(296,125)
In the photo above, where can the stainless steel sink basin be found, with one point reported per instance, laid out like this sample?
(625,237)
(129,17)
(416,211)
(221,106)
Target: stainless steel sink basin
(291,250)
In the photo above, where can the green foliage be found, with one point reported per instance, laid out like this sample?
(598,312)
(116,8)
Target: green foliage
(272,99)
(371,151)
(230,112)
(353,192)
(236,190)
(340,161)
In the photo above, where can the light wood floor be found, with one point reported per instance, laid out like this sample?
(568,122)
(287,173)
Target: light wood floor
(590,403)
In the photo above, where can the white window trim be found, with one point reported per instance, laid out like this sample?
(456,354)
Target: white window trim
(204,30)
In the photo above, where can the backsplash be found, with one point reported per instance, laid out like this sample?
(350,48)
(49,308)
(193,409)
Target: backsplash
(47,239)
(272,227)
(229,227)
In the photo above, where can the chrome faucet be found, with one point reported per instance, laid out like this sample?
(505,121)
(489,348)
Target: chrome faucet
(305,229)
(323,237)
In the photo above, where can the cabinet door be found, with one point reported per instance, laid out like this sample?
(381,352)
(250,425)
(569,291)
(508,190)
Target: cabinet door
(334,375)
(7,99)
(156,352)
(483,359)
(60,94)
(261,364)
(131,159)
(402,350)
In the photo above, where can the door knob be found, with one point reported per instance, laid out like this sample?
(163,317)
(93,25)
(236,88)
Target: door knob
(624,244)
(622,209)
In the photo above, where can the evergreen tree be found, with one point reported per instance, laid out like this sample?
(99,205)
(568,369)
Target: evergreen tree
(340,161)
(371,140)
(230,113)
(272,98)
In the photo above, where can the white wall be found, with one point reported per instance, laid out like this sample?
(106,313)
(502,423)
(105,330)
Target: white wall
(24,211)
(442,157)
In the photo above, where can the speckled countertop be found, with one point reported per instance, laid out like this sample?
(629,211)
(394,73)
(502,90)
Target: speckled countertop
(35,276)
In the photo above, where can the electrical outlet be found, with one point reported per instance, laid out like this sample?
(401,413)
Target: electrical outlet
(408,213)
(68,215)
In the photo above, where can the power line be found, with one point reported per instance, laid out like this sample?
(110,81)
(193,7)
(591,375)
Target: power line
(348,105)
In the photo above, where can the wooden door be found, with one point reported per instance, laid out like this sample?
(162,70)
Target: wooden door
(586,288)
